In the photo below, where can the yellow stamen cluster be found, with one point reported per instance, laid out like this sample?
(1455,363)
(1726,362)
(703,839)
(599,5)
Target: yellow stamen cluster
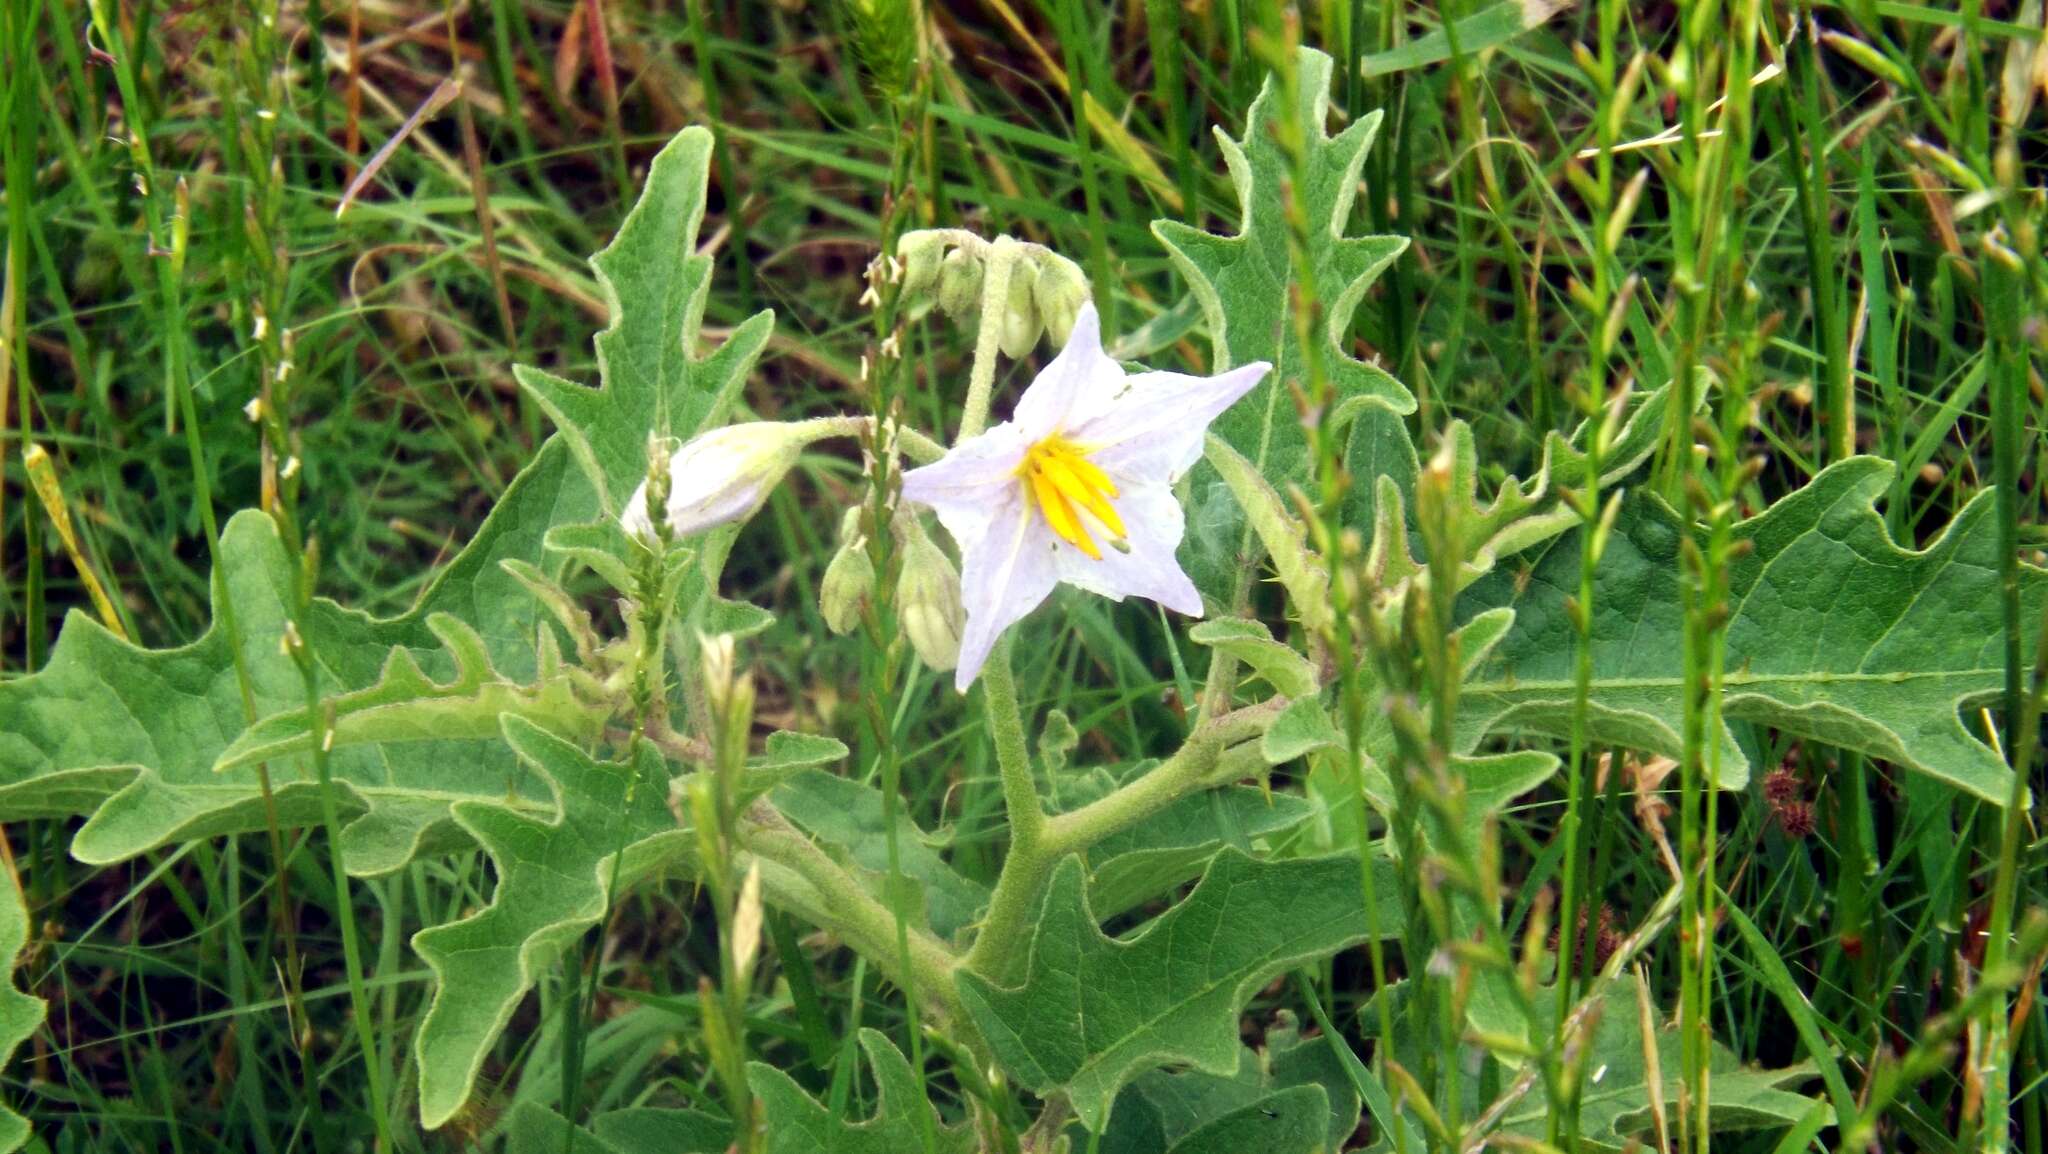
(1072,492)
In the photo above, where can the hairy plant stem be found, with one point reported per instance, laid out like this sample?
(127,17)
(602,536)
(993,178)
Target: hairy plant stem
(1201,763)
(845,907)
(649,713)
(1027,866)
(995,298)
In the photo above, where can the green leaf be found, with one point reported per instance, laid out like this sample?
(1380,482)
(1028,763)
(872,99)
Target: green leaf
(1295,1098)
(798,1124)
(1286,670)
(1302,728)
(1836,633)
(1290,1122)
(129,736)
(531,1128)
(1615,1104)
(1056,742)
(1138,864)
(600,546)
(20,1014)
(1245,284)
(848,816)
(1481,31)
(651,1130)
(1095,1012)
(1250,499)
(787,753)
(655,284)
(554,874)
(1518,516)
(406,706)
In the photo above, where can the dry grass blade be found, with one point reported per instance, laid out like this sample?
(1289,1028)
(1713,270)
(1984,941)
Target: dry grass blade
(436,100)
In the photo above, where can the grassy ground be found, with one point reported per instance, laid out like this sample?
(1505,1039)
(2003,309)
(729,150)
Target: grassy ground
(1847,280)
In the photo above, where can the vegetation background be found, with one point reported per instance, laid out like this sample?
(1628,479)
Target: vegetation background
(375,207)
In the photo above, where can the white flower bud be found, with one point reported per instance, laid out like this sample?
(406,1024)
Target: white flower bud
(1020,317)
(928,602)
(720,476)
(960,283)
(849,582)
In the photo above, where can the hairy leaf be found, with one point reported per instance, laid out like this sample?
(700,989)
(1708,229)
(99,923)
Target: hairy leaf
(407,706)
(1095,1012)
(1245,284)
(1615,1102)
(1295,1079)
(848,816)
(1286,670)
(20,1013)
(1836,633)
(798,1124)
(655,284)
(1615,1105)
(1289,1122)
(130,736)
(531,1128)
(611,828)
(1139,864)
(1519,515)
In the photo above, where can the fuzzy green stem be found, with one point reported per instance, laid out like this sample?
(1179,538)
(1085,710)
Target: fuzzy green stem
(845,907)
(1202,763)
(995,298)
(1027,865)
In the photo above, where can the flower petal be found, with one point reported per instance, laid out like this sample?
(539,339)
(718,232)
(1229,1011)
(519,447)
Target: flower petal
(1154,427)
(970,470)
(964,486)
(1003,576)
(634,519)
(1154,526)
(1081,370)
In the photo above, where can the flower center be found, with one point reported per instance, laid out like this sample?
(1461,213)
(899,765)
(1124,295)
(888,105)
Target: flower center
(1071,492)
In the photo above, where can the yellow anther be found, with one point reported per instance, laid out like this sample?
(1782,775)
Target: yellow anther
(1066,485)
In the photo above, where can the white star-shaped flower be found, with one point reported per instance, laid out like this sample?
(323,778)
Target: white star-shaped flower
(1075,487)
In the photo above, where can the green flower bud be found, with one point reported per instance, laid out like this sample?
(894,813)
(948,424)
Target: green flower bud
(849,581)
(1059,294)
(1021,325)
(928,601)
(960,283)
(921,253)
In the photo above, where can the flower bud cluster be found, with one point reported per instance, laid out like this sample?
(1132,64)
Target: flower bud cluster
(1042,290)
